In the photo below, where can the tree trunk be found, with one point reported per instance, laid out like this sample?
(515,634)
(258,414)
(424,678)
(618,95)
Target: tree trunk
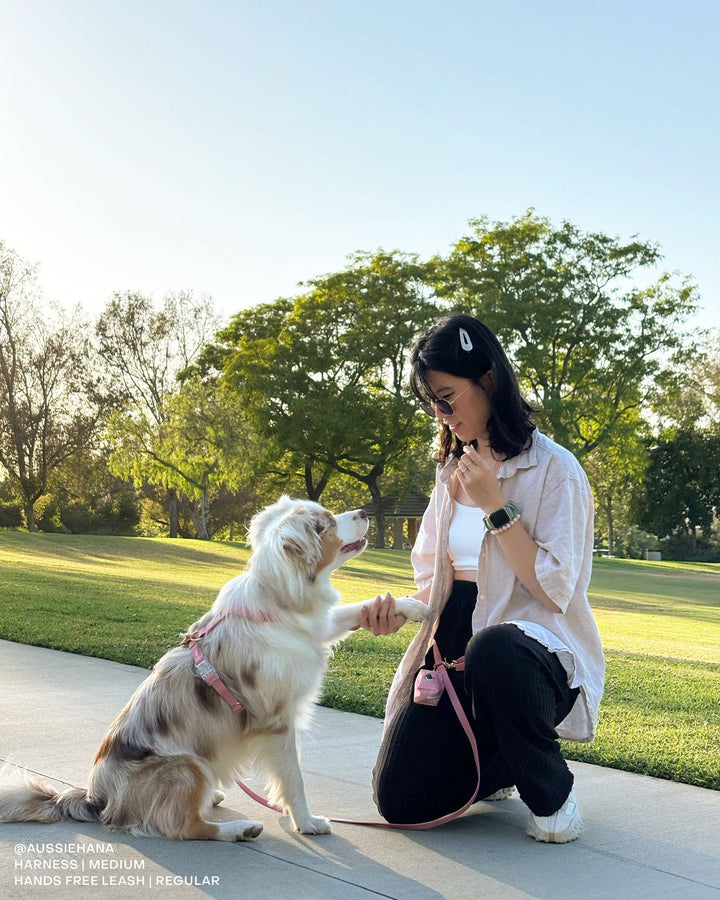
(610,527)
(29,508)
(172,502)
(376,495)
(314,491)
(201,517)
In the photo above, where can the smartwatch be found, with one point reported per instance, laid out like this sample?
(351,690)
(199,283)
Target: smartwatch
(501,516)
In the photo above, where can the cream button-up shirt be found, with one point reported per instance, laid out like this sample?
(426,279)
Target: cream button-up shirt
(553,494)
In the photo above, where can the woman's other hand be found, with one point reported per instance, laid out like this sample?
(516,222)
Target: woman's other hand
(479,481)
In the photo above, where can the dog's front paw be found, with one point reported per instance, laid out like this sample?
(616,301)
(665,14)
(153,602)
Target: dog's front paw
(413,610)
(313,825)
(239,830)
(249,831)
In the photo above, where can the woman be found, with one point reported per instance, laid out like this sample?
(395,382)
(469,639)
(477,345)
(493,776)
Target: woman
(503,560)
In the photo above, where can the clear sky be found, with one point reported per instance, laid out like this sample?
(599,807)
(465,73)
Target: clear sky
(238,148)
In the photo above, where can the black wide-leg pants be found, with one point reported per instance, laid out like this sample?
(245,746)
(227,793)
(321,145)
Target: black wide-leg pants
(514,692)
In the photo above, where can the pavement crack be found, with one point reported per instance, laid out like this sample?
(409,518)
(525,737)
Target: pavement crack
(643,865)
(33,772)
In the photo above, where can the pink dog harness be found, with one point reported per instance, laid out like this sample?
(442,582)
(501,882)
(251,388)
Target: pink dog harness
(205,669)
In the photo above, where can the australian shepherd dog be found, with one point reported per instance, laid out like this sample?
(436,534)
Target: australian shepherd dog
(266,642)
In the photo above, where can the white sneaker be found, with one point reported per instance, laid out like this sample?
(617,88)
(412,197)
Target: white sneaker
(562,826)
(502,794)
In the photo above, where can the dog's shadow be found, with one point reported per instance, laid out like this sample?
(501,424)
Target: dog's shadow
(282,863)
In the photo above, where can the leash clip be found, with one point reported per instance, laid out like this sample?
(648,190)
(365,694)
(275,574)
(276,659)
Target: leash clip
(456,665)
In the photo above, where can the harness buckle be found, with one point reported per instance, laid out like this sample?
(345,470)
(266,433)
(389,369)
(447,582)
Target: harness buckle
(205,670)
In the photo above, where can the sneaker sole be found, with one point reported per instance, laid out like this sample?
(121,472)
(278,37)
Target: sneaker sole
(502,794)
(571,833)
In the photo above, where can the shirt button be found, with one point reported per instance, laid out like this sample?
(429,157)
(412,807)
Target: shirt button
(482,597)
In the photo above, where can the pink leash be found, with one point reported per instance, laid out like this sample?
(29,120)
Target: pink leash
(441,668)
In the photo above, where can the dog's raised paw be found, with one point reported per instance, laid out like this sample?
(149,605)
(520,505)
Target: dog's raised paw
(314,825)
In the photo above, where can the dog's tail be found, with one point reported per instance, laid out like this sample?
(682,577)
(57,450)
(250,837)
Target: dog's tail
(24,799)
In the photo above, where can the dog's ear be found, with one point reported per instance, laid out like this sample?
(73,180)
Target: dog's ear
(298,539)
(264,519)
(292,544)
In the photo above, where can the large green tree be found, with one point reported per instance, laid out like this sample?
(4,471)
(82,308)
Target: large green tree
(588,342)
(681,489)
(324,376)
(201,447)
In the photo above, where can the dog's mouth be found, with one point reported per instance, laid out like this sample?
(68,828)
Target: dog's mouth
(355,547)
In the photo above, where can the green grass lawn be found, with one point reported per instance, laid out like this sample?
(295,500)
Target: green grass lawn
(128,599)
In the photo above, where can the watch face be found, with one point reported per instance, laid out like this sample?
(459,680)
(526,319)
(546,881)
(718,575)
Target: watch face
(499,518)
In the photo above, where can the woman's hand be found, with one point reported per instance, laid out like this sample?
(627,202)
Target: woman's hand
(379,615)
(481,485)
(479,481)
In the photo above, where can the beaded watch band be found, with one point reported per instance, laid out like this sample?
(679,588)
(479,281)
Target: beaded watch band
(507,526)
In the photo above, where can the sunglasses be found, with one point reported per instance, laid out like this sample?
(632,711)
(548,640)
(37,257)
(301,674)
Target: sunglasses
(444,407)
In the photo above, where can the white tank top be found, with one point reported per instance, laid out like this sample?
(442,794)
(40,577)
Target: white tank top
(466,533)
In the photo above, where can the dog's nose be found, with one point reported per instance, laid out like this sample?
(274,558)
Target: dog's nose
(361,514)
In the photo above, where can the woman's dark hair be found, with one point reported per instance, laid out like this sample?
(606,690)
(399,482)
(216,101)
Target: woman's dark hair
(443,349)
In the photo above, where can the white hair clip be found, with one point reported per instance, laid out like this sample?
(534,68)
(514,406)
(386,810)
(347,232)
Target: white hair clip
(465,341)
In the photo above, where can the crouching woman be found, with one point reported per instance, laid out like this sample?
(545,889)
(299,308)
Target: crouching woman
(503,560)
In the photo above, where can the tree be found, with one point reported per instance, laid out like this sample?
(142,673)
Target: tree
(50,394)
(588,344)
(84,497)
(201,447)
(709,376)
(205,445)
(679,496)
(324,376)
(614,469)
(681,490)
(145,349)
(692,401)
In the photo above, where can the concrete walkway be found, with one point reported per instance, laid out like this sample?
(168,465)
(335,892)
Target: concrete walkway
(644,838)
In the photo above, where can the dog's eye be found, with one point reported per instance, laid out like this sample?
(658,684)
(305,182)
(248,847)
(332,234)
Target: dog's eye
(323,525)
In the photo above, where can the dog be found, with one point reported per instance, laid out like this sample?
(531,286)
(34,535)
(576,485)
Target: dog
(265,642)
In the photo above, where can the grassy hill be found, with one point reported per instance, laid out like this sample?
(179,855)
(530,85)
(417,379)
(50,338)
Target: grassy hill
(128,599)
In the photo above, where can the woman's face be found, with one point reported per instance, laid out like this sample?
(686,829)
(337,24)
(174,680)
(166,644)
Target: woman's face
(471,405)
